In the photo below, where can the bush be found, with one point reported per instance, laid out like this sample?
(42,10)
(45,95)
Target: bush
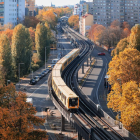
(40,63)
(35,67)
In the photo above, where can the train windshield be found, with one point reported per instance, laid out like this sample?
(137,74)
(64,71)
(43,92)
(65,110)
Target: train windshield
(73,102)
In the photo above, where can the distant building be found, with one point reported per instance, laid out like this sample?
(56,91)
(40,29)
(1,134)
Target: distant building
(106,11)
(77,9)
(85,23)
(52,5)
(12,11)
(83,8)
(30,5)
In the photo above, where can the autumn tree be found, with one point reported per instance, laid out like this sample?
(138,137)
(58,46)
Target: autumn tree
(30,21)
(9,34)
(32,35)
(115,24)
(120,47)
(97,34)
(91,31)
(48,16)
(41,41)
(17,121)
(125,25)
(134,39)
(125,66)
(21,48)
(74,21)
(124,71)
(6,57)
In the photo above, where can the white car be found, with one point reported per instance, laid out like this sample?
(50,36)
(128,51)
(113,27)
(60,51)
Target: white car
(36,78)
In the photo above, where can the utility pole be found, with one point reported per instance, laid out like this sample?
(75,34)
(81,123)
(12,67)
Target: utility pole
(19,72)
(45,57)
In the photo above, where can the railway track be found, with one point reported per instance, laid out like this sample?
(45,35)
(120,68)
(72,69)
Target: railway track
(96,127)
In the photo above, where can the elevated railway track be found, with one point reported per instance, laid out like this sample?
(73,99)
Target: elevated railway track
(87,120)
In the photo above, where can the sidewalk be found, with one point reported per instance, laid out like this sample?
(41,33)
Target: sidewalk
(53,127)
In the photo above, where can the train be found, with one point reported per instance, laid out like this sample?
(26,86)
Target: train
(67,97)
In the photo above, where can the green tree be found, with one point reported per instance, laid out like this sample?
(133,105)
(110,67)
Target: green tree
(41,40)
(28,50)
(6,57)
(21,49)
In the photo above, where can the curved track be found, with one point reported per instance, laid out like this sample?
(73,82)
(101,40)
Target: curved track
(91,117)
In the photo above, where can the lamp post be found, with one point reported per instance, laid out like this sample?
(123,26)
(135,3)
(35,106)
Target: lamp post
(19,72)
(53,48)
(119,113)
(45,57)
(8,81)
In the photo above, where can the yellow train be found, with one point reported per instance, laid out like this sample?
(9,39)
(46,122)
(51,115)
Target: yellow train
(69,99)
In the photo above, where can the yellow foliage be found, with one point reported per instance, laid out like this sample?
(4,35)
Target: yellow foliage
(124,71)
(74,21)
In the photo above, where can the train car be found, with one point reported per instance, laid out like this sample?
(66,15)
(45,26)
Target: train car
(57,70)
(70,57)
(69,99)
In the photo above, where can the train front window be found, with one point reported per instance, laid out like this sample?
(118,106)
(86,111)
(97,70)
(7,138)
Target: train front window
(73,102)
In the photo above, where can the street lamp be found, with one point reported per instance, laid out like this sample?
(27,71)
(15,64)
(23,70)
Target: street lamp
(19,71)
(53,48)
(119,112)
(45,57)
(8,81)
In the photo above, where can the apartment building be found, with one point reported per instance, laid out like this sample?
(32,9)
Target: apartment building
(12,11)
(83,8)
(85,24)
(106,11)
(30,6)
(77,9)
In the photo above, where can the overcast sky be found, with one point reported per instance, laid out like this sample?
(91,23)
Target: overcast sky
(57,2)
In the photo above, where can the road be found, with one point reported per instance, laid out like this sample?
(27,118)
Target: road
(94,85)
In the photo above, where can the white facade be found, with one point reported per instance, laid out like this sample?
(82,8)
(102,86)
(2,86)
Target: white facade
(85,24)
(77,9)
(12,11)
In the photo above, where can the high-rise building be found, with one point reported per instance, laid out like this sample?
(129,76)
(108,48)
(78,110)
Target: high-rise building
(106,11)
(83,8)
(30,6)
(12,11)
(85,24)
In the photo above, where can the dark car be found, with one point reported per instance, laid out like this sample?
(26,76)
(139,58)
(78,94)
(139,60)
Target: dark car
(32,82)
(102,53)
(43,74)
(40,76)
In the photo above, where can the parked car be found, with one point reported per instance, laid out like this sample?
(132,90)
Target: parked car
(49,67)
(52,65)
(43,74)
(101,53)
(32,82)
(36,78)
(40,76)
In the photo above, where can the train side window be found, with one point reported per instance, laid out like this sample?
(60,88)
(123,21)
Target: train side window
(65,100)
(65,63)
(62,97)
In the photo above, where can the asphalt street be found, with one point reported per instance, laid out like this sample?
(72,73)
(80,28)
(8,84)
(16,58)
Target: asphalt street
(94,85)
